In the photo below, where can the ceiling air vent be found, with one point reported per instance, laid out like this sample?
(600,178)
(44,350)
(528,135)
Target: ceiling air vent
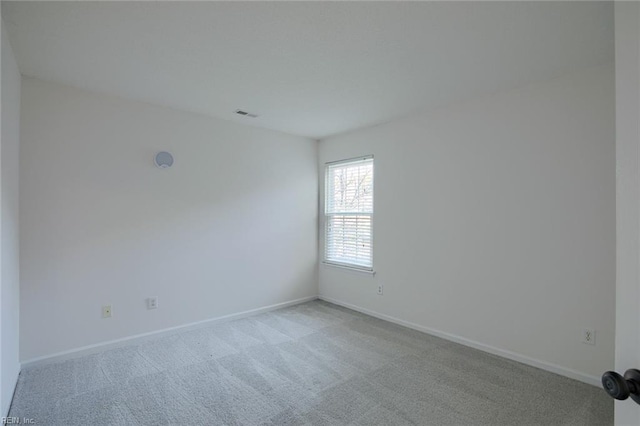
(245,113)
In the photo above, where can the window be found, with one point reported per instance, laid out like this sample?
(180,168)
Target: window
(349,213)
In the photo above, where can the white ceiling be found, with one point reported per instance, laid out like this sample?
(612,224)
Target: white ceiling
(312,69)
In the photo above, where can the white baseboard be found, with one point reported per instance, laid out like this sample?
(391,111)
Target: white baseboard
(553,368)
(139,338)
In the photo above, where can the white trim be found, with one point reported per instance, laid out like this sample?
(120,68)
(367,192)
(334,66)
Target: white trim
(543,365)
(350,160)
(138,338)
(354,268)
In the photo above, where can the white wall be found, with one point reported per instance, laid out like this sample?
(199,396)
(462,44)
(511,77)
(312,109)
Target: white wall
(10,288)
(495,222)
(627,21)
(230,227)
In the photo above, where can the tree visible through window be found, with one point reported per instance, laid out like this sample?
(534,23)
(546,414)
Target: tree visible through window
(349,213)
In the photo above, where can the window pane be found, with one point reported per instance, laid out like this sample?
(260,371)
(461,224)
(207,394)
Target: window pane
(349,213)
(350,187)
(349,239)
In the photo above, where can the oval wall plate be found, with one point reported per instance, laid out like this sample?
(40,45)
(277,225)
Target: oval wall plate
(164,160)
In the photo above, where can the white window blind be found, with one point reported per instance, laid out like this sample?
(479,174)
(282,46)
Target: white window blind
(349,213)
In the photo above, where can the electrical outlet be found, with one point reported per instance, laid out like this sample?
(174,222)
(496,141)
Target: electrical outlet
(152,302)
(106,311)
(380,289)
(589,336)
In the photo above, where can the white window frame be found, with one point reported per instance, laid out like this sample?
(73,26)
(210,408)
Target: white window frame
(333,262)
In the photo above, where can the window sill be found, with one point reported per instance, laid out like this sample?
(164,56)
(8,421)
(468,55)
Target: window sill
(349,268)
